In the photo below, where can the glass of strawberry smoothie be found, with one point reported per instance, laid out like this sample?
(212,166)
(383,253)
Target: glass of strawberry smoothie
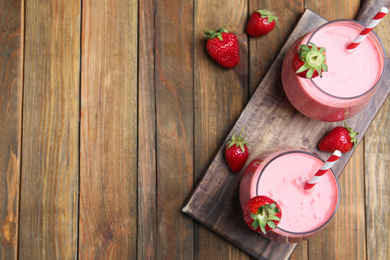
(281,175)
(352,77)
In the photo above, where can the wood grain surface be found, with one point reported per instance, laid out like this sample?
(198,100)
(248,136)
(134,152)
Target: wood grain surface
(147,171)
(50,153)
(112,111)
(11,77)
(174,119)
(108,131)
(377,169)
(369,9)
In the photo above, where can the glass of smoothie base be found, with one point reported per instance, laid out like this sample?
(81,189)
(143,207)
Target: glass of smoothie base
(281,175)
(352,76)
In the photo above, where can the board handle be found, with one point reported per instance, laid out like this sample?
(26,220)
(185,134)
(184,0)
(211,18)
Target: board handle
(369,9)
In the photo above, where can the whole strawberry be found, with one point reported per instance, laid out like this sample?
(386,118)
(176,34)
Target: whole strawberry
(236,152)
(223,47)
(260,23)
(262,213)
(309,61)
(339,138)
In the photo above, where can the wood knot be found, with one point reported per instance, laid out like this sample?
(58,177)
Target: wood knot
(8,235)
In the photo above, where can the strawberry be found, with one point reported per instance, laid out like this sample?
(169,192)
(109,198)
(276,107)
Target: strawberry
(339,138)
(236,152)
(262,213)
(309,61)
(223,47)
(260,23)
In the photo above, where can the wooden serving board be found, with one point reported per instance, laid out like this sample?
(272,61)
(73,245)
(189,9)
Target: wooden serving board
(270,121)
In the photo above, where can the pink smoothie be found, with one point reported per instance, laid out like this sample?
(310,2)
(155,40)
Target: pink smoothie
(282,176)
(350,81)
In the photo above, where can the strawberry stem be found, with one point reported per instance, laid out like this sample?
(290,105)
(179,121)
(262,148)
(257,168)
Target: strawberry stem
(267,14)
(238,141)
(212,34)
(352,134)
(265,216)
(314,59)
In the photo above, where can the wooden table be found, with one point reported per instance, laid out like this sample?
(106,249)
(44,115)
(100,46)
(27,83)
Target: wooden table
(111,111)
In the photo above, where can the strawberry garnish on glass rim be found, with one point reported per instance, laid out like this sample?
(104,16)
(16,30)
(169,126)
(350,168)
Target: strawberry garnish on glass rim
(262,213)
(309,61)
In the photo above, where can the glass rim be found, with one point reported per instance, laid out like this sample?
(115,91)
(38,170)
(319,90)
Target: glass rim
(334,175)
(383,60)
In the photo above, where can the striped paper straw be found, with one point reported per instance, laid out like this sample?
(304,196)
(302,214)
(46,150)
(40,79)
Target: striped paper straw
(363,34)
(329,163)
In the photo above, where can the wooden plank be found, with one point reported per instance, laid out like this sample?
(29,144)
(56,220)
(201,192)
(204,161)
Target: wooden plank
(174,113)
(301,251)
(108,161)
(334,9)
(11,81)
(337,241)
(147,173)
(377,167)
(220,96)
(50,164)
(273,115)
(370,8)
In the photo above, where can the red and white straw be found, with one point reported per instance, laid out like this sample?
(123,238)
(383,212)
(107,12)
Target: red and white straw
(363,34)
(327,165)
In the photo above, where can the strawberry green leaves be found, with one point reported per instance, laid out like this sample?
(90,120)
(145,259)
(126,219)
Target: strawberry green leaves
(266,216)
(261,213)
(352,134)
(311,61)
(238,141)
(212,34)
(267,14)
